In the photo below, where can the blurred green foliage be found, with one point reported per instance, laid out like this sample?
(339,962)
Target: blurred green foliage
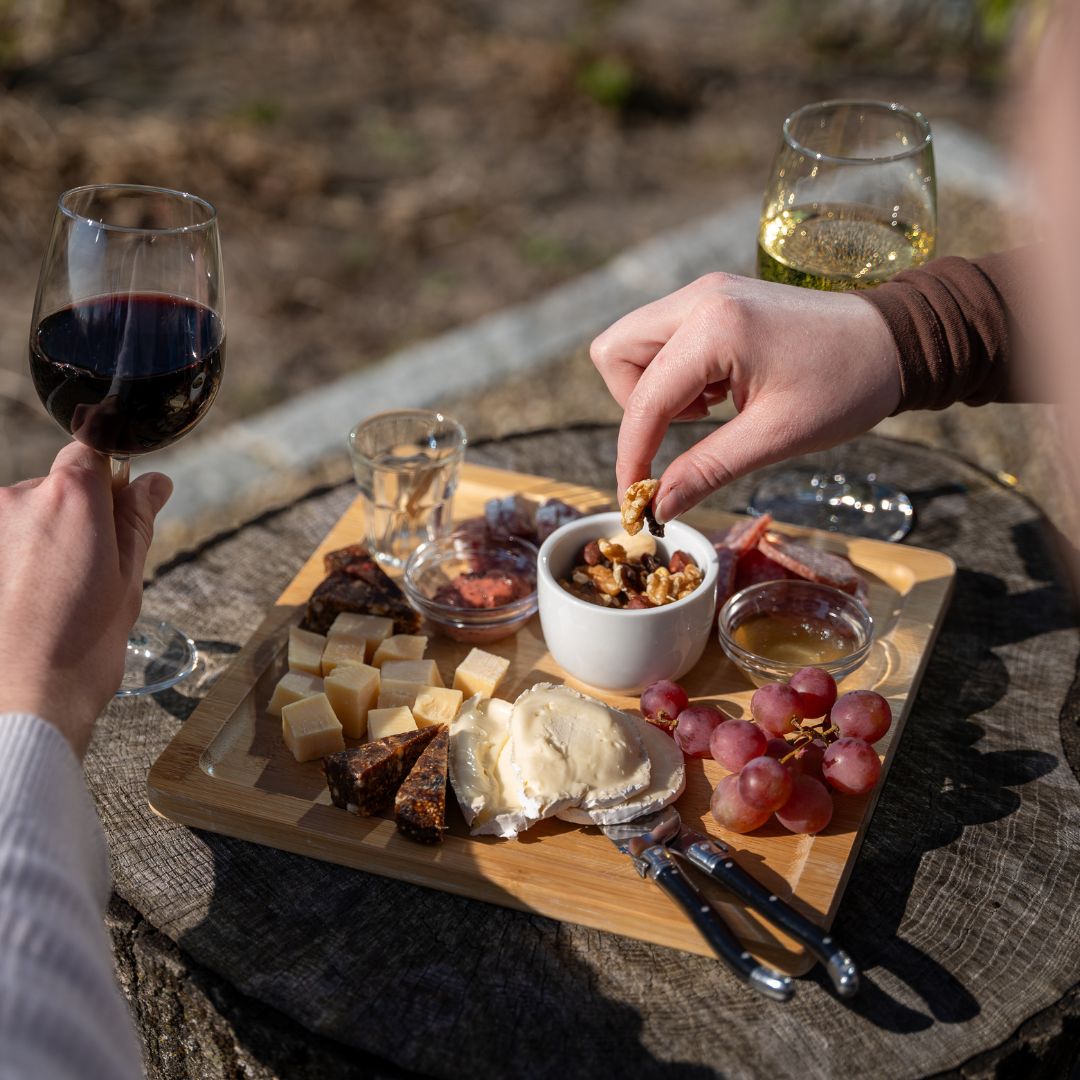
(609,80)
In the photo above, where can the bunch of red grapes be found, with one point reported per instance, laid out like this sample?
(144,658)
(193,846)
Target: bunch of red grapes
(802,741)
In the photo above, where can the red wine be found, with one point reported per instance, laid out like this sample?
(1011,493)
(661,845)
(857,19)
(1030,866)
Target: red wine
(128,373)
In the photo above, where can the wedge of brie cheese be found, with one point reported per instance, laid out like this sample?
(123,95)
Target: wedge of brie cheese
(667,781)
(572,750)
(486,785)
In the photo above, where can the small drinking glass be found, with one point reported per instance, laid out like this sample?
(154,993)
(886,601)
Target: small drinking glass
(406,465)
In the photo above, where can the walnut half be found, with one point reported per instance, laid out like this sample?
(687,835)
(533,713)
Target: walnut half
(636,502)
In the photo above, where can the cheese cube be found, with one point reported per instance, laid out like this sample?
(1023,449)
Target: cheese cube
(373,628)
(400,647)
(424,672)
(310,728)
(480,673)
(352,690)
(293,686)
(436,705)
(305,650)
(343,649)
(383,722)
(394,692)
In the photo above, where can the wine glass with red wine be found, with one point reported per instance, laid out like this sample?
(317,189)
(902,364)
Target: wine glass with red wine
(127,346)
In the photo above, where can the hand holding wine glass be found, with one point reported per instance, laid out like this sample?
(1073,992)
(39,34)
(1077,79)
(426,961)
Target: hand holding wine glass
(69,546)
(127,346)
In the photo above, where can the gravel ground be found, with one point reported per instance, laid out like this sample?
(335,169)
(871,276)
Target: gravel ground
(385,171)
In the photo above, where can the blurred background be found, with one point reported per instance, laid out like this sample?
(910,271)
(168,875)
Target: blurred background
(388,169)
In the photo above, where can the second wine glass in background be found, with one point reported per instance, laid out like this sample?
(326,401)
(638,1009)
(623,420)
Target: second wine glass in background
(850,202)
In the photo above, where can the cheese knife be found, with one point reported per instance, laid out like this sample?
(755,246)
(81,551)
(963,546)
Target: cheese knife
(645,841)
(714,858)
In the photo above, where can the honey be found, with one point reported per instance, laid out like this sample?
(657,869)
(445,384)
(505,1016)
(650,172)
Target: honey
(793,639)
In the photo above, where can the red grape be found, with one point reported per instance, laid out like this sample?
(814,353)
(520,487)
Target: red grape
(662,702)
(694,729)
(851,766)
(735,742)
(779,749)
(816,689)
(774,706)
(809,757)
(730,810)
(765,784)
(809,808)
(862,714)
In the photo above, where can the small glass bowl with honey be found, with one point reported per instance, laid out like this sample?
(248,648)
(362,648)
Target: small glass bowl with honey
(773,629)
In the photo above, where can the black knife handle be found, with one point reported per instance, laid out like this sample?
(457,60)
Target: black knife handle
(717,863)
(664,870)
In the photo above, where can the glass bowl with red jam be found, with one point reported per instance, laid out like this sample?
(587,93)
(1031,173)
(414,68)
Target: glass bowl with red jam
(473,589)
(774,628)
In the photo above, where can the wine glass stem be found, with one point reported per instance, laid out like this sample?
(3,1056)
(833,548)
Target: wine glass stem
(121,472)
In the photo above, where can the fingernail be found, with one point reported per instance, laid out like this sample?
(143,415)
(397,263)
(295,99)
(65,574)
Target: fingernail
(161,488)
(669,507)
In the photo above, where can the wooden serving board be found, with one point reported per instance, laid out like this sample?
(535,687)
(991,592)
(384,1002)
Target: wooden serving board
(228,771)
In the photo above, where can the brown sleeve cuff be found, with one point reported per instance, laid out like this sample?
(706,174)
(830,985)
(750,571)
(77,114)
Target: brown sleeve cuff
(954,322)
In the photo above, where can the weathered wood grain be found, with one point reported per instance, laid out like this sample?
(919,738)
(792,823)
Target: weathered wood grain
(963,905)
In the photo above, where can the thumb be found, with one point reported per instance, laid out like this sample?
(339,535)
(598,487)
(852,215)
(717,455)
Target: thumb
(134,509)
(744,443)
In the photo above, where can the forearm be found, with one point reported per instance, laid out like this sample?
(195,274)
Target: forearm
(61,1012)
(958,325)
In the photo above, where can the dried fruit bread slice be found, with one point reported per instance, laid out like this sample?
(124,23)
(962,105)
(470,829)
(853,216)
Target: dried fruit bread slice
(420,804)
(356,583)
(365,780)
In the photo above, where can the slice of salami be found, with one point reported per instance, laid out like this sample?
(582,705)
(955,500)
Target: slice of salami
(755,567)
(744,535)
(811,563)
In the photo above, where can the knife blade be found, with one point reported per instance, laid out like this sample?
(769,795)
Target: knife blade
(714,858)
(645,841)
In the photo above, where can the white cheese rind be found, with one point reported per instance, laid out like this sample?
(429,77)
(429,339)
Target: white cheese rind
(667,781)
(488,789)
(572,750)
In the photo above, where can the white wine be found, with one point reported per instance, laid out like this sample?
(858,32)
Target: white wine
(838,247)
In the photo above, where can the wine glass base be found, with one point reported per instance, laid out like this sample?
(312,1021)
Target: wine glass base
(865,508)
(158,656)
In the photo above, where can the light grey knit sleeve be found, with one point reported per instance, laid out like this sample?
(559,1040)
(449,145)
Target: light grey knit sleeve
(61,1012)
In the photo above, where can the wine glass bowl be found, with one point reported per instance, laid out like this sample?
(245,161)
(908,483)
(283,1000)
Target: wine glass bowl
(127,346)
(850,201)
(851,197)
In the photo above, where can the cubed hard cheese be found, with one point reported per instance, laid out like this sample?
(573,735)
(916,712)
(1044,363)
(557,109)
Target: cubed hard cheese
(395,692)
(293,686)
(311,729)
(373,628)
(352,689)
(480,673)
(343,649)
(383,722)
(424,672)
(400,647)
(305,650)
(436,705)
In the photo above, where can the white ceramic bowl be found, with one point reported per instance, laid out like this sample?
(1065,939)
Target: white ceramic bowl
(616,648)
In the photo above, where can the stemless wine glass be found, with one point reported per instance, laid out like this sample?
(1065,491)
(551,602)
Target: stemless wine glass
(127,345)
(850,202)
